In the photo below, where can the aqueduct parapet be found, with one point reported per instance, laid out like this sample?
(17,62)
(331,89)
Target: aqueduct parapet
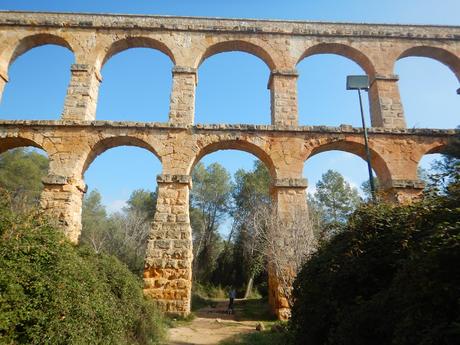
(73,142)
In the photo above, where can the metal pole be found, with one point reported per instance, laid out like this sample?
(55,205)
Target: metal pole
(366,144)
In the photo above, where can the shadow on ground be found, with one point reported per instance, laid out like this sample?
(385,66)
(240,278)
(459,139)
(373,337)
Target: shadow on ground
(244,310)
(213,324)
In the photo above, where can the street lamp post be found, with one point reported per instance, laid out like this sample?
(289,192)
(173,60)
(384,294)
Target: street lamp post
(361,82)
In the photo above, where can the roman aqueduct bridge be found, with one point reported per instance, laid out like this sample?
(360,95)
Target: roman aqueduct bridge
(75,140)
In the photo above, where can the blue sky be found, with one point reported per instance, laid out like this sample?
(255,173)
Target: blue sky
(232,86)
(388,11)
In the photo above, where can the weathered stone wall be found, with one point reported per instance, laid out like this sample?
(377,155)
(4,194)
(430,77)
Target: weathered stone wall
(94,39)
(73,145)
(168,262)
(289,196)
(81,99)
(76,140)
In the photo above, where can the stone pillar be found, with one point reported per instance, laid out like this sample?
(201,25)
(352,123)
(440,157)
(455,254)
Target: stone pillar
(385,102)
(168,261)
(283,91)
(62,200)
(403,191)
(182,103)
(3,81)
(289,196)
(81,100)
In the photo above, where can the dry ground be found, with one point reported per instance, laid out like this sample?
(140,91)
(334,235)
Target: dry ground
(211,326)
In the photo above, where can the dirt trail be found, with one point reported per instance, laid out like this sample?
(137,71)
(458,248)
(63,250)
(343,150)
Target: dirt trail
(210,326)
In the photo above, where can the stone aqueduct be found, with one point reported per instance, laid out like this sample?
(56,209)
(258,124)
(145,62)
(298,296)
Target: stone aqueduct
(74,141)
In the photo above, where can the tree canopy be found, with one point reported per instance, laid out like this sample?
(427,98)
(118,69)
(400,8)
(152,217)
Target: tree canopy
(210,202)
(21,173)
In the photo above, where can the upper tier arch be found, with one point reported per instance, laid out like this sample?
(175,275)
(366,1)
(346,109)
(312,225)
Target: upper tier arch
(439,54)
(135,42)
(343,50)
(13,50)
(235,46)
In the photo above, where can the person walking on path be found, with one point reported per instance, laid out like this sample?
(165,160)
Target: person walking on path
(231,297)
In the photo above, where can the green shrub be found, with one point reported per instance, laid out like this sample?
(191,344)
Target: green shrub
(392,277)
(209,291)
(52,292)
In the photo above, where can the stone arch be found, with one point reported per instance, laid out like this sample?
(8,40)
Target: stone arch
(12,143)
(136,42)
(437,148)
(239,145)
(426,155)
(343,50)
(29,42)
(378,163)
(238,46)
(442,55)
(108,143)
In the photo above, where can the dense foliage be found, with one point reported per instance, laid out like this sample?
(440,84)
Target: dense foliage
(21,173)
(123,233)
(52,292)
(392,277)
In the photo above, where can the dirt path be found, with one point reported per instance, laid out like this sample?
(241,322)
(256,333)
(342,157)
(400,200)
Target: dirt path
(210,326)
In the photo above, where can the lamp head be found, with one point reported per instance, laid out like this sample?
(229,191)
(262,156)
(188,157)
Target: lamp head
(357,82)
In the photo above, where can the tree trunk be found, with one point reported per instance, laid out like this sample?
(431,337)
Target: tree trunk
(249,287)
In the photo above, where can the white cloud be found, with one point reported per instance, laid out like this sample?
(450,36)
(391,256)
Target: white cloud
(116,206)
(341,157)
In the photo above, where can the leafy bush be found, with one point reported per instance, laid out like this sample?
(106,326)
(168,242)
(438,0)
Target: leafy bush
(52,292)
(209,291)
(393,277)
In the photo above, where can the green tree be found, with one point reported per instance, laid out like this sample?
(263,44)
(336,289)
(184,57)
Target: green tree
(21,173)
(130,229)
(122,234)
(95,225)
(143,202)
(336,199)
(210,203)
(127,238)
(251,187)
(251,190)
(366,188)
(316,216)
